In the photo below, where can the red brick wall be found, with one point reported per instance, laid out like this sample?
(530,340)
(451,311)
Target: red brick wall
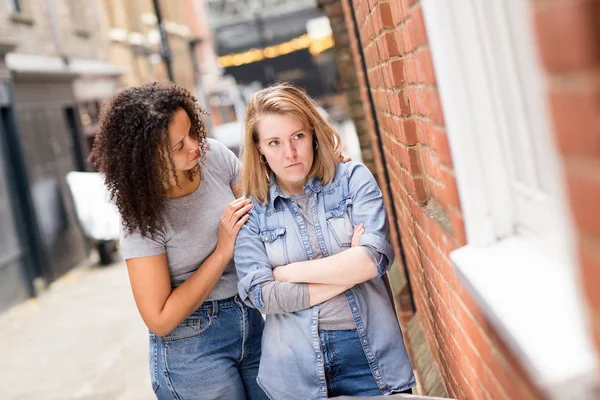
(569,42)
(473,361)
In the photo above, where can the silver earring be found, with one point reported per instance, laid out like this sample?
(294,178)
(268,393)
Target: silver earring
(262,159)
(315,144)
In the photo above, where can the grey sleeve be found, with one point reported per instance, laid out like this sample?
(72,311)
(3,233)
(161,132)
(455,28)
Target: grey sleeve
(135,246)
(282,297)
(373,254)
(229,162)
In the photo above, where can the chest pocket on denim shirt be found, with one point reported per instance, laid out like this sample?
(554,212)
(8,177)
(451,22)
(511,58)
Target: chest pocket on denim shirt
(339,223)
(275,244)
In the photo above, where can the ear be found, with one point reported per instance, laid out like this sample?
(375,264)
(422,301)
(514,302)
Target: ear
(257,145)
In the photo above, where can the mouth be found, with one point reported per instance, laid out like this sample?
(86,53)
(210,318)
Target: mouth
(197,156)
(294,165)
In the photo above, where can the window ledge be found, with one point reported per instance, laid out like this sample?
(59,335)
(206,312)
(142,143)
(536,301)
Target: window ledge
(21,18)
(534,304)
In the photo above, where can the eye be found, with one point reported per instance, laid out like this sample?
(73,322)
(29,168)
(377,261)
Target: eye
(273,142)
(179,147)
(298,136)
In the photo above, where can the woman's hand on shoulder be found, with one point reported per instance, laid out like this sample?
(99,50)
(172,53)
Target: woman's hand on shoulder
(234,216)
(345,159)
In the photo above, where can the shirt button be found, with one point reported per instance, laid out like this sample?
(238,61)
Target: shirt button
(318,356)
(365,341)
(354,308)
(377,373)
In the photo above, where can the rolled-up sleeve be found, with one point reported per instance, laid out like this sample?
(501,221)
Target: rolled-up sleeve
(368,208)
(251,262)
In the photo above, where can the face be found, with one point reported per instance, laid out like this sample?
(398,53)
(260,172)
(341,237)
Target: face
(288,148)
(184,149)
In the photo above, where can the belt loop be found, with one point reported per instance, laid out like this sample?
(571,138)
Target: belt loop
(215,306)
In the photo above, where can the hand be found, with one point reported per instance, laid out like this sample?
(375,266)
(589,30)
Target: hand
(234,216)
(345,159)
(358,232)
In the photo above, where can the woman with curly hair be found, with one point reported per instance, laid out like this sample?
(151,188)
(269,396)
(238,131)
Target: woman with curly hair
(179,197)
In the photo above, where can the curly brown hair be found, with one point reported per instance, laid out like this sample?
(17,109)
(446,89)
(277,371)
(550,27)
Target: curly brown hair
(132,150)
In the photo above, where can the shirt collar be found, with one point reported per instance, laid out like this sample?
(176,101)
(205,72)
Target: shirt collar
(312,185)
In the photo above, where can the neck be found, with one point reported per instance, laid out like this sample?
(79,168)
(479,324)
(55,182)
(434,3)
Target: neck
(185,185)
(290,187)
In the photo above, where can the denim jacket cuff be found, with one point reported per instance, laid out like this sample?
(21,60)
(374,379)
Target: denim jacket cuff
(382,265)
(383,247)
(257,293)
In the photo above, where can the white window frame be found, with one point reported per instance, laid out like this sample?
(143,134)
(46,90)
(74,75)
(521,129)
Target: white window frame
(519,261)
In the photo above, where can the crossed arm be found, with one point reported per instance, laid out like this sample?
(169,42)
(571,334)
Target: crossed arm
(284,295)
(327,277)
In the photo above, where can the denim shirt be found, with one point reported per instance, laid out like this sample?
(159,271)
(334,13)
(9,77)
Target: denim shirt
(292,365)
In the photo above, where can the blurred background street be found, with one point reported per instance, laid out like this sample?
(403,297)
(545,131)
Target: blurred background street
(81,339)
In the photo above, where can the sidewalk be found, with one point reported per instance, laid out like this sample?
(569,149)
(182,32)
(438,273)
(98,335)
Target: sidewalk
(82,339)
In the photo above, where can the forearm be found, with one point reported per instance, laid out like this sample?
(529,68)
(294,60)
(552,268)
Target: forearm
(280,297)
(187,297)
(320,293)
(284,297)
(350,267)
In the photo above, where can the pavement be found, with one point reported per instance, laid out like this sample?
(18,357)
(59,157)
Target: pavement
(81,339)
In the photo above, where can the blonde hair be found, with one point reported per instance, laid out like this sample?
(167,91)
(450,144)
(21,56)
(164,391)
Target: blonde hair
(284,98)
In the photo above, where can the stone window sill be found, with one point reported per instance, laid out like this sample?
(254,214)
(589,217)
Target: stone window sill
(534,304)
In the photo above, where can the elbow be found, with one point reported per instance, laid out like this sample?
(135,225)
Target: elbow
(160,328)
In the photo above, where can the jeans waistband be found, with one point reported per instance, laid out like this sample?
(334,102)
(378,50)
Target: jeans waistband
(213,306)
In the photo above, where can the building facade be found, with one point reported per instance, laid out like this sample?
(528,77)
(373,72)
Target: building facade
(482,120)
(148,38)
(53,64)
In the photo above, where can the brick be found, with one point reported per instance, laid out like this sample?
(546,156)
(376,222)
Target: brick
(376,22)
(577,121)
(396,68)
(424,67)
(458,228)
(567,35)
(449,196)
(410,131)
(583,181)
(390,45)
(589,256)
(384,14)
(409,158)
(435,107)
(382,50)
(417,30)
(402,103)
(438,138)
(415,187)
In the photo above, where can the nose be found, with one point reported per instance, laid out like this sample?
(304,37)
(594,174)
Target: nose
(290,151)
(192,145)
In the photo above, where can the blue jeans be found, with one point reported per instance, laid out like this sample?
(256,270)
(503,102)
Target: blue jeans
(346,367)
(213,354)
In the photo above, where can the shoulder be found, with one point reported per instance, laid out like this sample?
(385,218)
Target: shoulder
(352,171)
(219,158)
(258,207)
(217,150)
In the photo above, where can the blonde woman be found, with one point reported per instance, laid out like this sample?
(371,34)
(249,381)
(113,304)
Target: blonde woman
(330,328)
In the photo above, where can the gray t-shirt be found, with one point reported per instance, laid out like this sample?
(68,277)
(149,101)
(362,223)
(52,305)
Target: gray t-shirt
(191,229)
